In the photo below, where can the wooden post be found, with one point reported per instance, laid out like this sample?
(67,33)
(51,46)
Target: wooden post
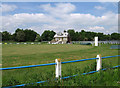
(99,63)
(96,41)
(58,68)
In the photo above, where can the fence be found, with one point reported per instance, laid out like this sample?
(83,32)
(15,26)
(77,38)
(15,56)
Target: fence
(21,43)
(80,42)
(101,42)
(58,68)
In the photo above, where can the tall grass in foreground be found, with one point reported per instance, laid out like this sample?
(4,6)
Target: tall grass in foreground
(109,77)
(102,78)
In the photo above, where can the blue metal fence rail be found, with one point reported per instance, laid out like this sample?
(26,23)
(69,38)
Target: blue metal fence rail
(91,72)
(10,68)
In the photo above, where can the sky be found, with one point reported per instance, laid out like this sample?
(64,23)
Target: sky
(60,16)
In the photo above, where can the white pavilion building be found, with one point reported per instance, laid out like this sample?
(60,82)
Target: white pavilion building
(60,38)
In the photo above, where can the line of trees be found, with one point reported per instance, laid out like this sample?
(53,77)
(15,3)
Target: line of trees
(89,36)
(29,35)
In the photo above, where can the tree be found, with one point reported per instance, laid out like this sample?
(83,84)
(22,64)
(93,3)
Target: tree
(20,36)
(100,36)
(17,36)
(108,37)
(89,36)
(30,35)
(72,34)
(0,36)
(6,36)
(76,36)
(38,38)
(82,35)
(115,36)
(47,35)
(24,35)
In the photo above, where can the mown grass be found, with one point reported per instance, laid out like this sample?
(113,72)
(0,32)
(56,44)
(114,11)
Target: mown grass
(15,55)
(18,55)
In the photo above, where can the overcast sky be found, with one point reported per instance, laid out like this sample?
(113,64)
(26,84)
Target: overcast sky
(40,16)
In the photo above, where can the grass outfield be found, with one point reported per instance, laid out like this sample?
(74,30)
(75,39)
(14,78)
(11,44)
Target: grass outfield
(19,55)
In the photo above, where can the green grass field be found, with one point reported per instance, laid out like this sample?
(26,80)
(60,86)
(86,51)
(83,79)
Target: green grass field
(23,55)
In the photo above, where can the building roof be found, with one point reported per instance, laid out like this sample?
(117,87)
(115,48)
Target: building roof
(61,35)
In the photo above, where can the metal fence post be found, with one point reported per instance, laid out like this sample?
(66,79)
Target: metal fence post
(58,68)
(99,63)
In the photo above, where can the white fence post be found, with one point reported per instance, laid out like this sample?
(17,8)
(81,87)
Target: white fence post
(99,63)
(96,41)
(58,68)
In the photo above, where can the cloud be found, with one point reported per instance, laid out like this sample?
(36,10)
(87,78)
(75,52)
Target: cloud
(59,9)
(106,30)
(99,7)
(107,19)
(61,17)
(96,28)
(11,22)
(7,8)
